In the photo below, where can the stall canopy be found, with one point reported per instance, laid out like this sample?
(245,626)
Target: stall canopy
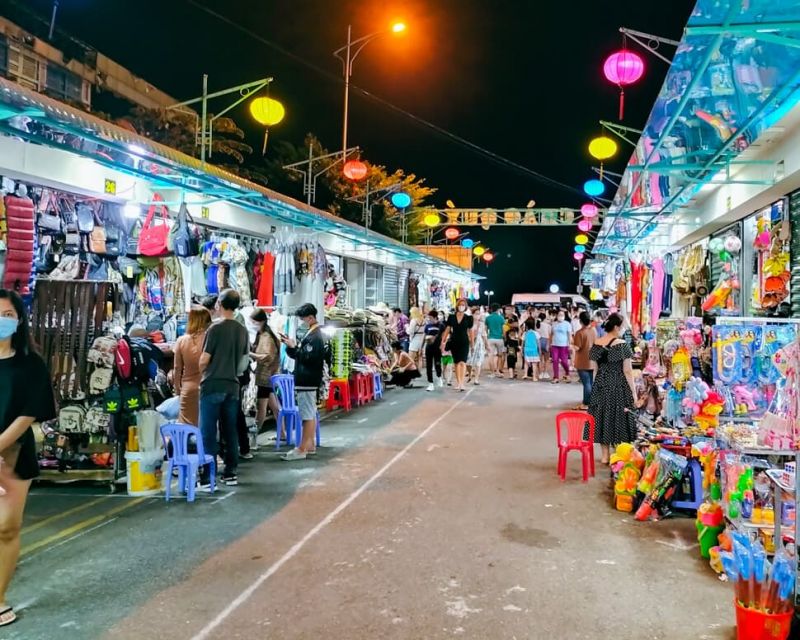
(41,120)
(735,74)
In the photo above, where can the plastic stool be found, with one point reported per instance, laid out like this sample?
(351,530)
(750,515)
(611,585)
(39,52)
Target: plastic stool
(357,390)
(693,501)
(339,395)
(377,386)
(369,389)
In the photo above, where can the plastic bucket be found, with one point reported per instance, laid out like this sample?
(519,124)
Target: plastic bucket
(756,625)
(708,537)
(143,473)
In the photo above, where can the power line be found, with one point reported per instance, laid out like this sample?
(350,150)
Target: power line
(495,157)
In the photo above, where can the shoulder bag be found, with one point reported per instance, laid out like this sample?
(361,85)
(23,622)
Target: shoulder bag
(153,237)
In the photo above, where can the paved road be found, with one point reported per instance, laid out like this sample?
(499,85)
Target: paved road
(427,516)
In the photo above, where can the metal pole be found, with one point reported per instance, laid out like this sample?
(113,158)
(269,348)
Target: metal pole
(53,20)
(347,71)
(308,176)
(204,116)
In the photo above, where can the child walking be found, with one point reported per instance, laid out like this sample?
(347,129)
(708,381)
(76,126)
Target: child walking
(512,351)
(530,351)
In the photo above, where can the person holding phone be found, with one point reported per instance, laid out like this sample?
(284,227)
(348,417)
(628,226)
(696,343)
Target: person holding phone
(309,360)
(26,396)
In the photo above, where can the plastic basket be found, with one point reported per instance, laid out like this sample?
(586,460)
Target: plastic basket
(756,625)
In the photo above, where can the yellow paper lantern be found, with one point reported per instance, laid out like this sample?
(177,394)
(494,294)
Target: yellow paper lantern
(581,238)
(479,251)
(431,219)
(602,148)
(267,111)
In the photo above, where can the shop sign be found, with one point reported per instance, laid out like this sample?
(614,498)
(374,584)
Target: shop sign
(205,213)
(110,187)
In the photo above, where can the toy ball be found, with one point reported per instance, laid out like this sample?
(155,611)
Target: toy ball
(733,244)
(716,245)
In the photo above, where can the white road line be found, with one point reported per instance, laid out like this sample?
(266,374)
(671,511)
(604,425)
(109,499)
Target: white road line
(362,421)
(291,553)
(224,497)
(70,539)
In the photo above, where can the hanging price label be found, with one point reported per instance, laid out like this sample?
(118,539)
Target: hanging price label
(110,187)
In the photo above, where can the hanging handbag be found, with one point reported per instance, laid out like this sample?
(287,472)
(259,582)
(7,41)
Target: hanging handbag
(49,219)
(85,215)
(153,237)
(97,240)
(184,240)
(67,211)
(97,268)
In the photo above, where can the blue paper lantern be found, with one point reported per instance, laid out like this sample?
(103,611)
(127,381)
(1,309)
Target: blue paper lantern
(401,200)
(594,188)
(579,248)
(468,243)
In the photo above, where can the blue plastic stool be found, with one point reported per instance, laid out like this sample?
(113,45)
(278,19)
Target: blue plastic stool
(187,463)
(693,501)
(288,418)
(377,383)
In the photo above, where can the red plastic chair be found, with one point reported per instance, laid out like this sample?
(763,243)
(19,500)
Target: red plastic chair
(369,386)
(357,391)
(575,422)
(339,395)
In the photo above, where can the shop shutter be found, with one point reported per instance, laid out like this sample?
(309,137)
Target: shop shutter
(391,291)
(794,215)
(373,285)
(402,284)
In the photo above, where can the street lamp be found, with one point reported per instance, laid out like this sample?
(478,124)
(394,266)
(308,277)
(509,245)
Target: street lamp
(348,54)
(489,295)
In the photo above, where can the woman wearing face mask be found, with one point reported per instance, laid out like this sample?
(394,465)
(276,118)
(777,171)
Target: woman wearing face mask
(26,396)
(459,334)
(613,390)
(266,352)
(562,338)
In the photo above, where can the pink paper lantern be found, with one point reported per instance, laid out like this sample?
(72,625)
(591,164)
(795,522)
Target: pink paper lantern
(623,68)
(585,225)
(578,256)
(589,211)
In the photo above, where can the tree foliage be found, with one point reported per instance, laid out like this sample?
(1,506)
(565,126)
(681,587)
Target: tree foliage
(334,192)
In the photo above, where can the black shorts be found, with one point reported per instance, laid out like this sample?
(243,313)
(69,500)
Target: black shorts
(264,392)
(460,351)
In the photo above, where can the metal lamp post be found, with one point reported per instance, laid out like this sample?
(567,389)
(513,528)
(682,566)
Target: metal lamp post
(489,295)
(348,54)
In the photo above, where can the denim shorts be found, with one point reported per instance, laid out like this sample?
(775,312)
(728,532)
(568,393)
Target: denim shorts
(307,403)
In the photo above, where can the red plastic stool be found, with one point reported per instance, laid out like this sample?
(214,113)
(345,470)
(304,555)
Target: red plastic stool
(339,395)
(357,390)
(369,387)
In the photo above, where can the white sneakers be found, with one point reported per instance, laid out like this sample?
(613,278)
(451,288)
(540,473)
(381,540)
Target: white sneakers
(441,383)
(294,454)
(429,387)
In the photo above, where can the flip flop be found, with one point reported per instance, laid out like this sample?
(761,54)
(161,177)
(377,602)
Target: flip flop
(7,616)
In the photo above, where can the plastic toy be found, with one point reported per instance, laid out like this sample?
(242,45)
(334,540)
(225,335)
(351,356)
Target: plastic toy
(763,236)
(712,406)
(745,399)
(671,468)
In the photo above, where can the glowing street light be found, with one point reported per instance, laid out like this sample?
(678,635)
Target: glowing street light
(554,288)
(489,295)
(348,54)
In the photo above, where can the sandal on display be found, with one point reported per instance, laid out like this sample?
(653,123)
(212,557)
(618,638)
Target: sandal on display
(7,616)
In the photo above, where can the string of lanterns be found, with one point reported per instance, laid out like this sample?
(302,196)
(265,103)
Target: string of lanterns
(622,68)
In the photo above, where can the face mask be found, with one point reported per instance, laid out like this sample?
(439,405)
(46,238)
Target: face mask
(462,308)
(8,327)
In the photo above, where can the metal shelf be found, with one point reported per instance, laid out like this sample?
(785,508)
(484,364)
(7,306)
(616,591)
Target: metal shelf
(776,476)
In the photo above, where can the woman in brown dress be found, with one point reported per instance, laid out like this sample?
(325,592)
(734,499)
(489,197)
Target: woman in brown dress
(186,375)
(266,351)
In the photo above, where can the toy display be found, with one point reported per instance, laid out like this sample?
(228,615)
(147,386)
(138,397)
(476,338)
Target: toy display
(659,482)
(724,296)
(771,266)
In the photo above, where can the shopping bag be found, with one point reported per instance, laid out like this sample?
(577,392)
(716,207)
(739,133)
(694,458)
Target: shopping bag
(153,237)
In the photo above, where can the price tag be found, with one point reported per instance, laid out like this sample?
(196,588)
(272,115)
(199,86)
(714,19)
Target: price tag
(129,271)
(110,187)
(205,213)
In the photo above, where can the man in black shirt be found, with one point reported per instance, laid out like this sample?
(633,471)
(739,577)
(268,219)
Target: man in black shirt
(309,360)
(225,355)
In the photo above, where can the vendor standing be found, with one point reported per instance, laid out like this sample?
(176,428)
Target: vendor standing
(26,396)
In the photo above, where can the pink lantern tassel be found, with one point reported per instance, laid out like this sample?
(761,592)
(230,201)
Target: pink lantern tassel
(621,103)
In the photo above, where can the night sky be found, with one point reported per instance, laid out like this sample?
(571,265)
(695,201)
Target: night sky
(521,78)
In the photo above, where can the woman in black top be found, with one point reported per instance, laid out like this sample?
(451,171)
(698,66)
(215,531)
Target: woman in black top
(458,332)
(25,396)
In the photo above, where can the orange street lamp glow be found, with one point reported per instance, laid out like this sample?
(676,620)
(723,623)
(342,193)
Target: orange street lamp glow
(398,27)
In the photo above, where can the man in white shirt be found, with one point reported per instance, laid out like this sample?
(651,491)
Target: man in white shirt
(545,335)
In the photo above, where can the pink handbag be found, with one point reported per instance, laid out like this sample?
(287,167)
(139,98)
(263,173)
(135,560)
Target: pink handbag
(153,237)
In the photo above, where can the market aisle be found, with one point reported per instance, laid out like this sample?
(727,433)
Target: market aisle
(467,533)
